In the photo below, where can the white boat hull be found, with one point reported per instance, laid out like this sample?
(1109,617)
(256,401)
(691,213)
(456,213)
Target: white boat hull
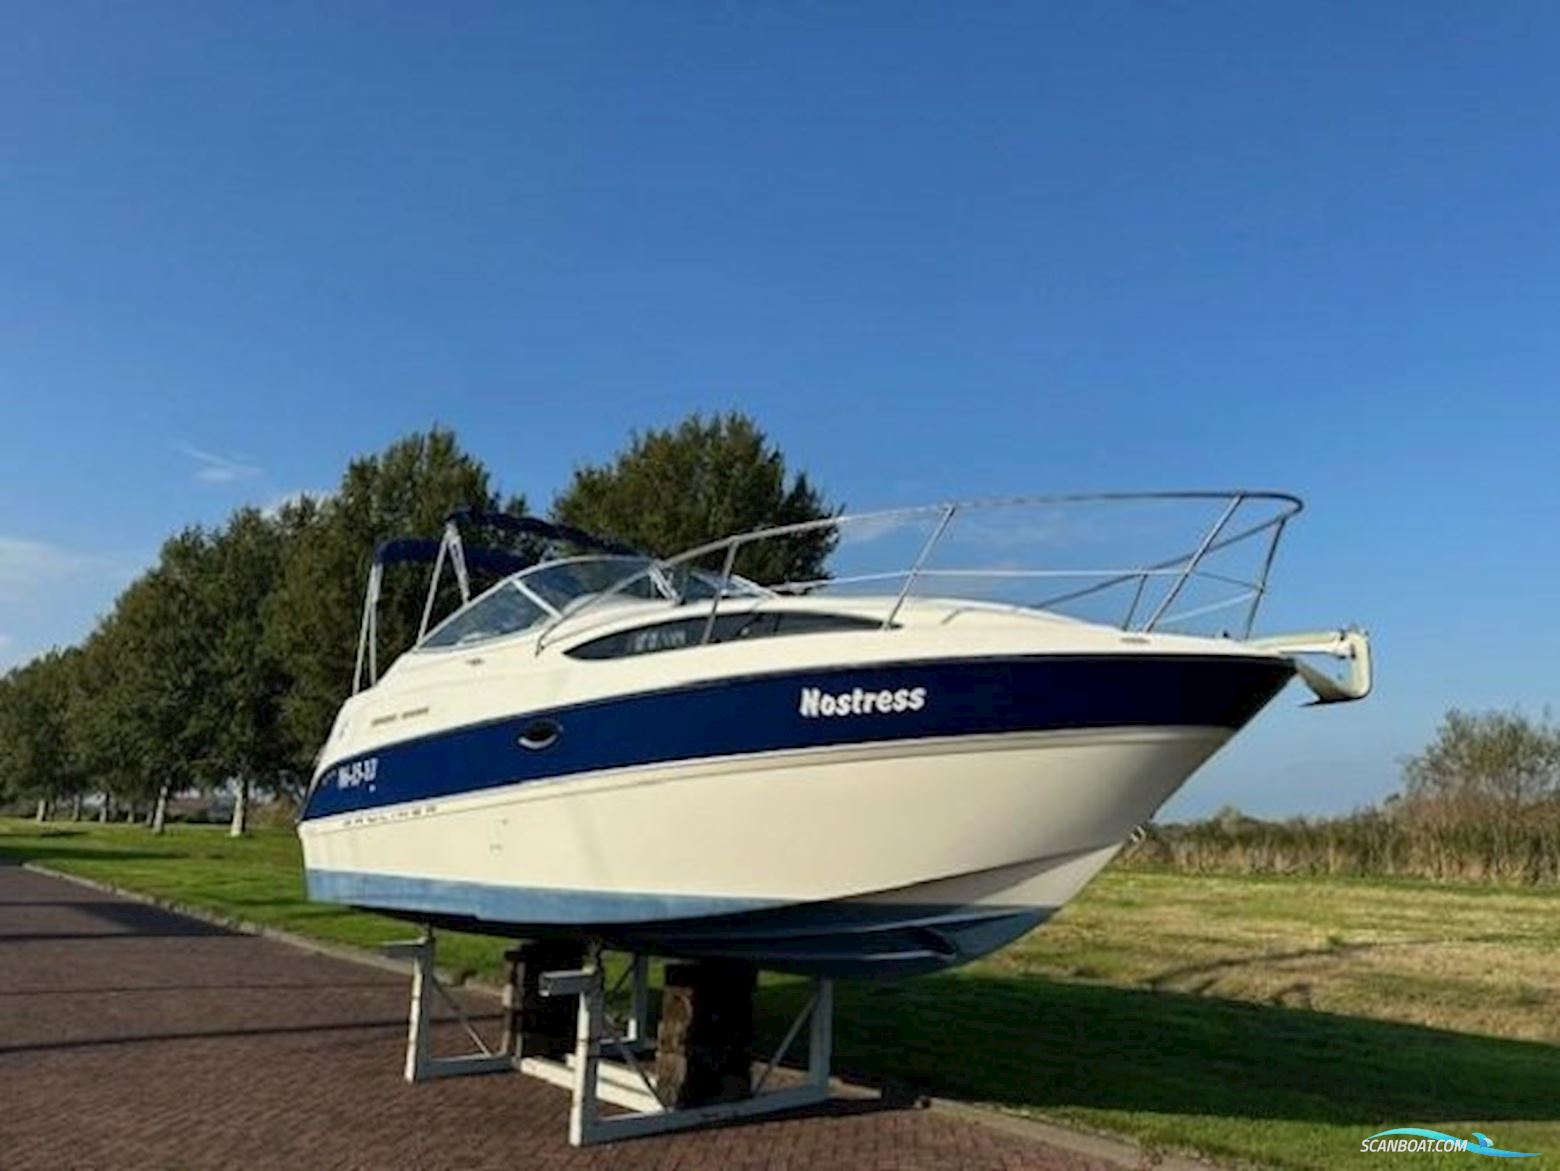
(875,858)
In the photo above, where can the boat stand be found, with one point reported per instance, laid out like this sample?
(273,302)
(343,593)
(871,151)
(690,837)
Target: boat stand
(612,1062)
(427,989)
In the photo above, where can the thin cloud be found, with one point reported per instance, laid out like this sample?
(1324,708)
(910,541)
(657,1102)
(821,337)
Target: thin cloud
(27,566)
(212,468)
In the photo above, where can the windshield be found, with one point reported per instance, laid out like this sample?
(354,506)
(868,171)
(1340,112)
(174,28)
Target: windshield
(532,597)
(562,583)
(695,585)
(502,610)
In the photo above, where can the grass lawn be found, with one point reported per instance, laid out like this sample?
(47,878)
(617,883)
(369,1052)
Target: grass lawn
(1268,1021)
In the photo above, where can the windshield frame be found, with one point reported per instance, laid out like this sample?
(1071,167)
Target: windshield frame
(552,614)
(660,569)
(548,615)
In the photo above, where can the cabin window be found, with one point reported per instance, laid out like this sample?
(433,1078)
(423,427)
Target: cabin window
(689,632)
(501,611)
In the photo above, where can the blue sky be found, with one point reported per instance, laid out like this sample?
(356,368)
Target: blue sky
(938,250)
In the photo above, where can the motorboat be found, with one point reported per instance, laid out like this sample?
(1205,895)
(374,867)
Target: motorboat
(858,772)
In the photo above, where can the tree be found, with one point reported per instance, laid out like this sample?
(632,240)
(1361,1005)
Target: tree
(704,479)
(35,751)
(164,705)
(9,772)
(91,728)
(248,743)
(311,618)
(1485,765)
(14,751)
(1229,818)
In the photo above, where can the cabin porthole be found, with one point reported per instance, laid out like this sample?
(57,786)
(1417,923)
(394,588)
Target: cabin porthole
(540,734)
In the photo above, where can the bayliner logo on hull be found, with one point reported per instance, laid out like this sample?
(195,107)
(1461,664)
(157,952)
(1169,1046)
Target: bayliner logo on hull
(859,701)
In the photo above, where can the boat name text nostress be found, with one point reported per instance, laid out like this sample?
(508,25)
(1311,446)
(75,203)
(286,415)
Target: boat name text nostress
(859,701)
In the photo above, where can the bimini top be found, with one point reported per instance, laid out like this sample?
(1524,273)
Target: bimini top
(424,551)
(548,533)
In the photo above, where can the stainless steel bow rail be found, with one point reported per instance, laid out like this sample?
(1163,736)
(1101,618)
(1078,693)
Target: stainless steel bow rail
(1245,520)
(612,1061)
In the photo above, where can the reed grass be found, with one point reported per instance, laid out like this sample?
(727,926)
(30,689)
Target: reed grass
(1522,849)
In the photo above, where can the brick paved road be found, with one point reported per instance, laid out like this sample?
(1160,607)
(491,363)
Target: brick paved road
(131,1037)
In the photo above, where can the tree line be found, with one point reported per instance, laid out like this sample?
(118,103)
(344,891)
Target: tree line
(222,666)
(1481,802)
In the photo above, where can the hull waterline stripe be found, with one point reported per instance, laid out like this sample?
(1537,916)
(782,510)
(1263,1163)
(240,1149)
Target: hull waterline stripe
(516,904)
(832,937)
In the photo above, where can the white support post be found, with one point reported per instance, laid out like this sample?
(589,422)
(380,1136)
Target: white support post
(420,1064)
(511,1003)
(422,953)
(583,1110)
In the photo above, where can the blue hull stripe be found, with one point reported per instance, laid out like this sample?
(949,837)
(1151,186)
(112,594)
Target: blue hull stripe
(834,938)
(763,713)
(515,904)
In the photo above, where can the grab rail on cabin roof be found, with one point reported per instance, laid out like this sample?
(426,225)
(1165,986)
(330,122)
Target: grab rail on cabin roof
(1230,528)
